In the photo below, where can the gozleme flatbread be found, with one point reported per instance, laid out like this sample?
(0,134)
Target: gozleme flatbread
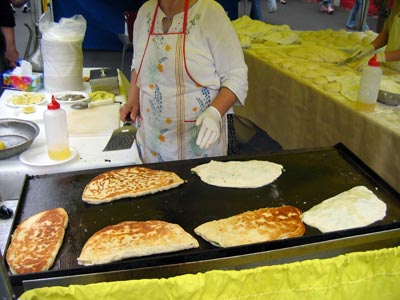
(354,208)
(239,174)
(265,224)
(128,182)
(134,239)
(36,241)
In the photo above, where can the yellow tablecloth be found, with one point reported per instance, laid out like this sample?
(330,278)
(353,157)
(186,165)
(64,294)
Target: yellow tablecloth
(359,275)
(297,114)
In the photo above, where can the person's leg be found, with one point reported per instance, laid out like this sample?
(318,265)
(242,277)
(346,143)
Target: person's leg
(324,6)
(352,16)
(255,11)
(271,4)
(330,9)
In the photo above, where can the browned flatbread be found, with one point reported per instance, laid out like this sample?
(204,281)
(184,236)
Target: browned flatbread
(128,182)
(133,239)
(256,226)
(36,241)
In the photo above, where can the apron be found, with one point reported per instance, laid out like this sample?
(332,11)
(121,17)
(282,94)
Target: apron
(394,41)
(170,99)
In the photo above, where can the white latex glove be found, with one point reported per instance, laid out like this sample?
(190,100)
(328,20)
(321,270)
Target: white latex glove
(210,127)
(363,51)
(381,57)
(362,63)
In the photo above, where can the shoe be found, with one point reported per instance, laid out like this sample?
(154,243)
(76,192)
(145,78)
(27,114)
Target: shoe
(272,11)
(282,1)
(350,27)
(26,9)
(330,10)
(324,8)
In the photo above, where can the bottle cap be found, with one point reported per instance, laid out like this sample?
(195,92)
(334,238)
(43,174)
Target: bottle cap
(53,104)
(372,62)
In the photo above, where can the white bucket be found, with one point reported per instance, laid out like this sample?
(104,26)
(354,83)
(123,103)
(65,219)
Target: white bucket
(62,65)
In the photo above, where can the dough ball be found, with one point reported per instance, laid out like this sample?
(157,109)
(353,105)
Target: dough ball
(320,81)
(287,64)
(299,69)
(311,66)
(332,87)
(311,74)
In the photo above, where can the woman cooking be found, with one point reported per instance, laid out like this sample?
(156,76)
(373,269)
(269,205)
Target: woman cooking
(389,37)
(188,71)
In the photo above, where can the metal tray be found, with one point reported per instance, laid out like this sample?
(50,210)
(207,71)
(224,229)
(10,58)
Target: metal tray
(388,98)
(309,178)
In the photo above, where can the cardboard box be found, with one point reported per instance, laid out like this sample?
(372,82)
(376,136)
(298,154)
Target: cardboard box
(26,83)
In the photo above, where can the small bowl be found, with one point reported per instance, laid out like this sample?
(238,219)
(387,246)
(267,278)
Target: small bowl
(71,97)
(17,135)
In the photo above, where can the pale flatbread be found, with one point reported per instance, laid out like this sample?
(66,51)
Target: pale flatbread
(134,239)
(36,242)
(354,208)
(256,226)
(239,174)
(128,182)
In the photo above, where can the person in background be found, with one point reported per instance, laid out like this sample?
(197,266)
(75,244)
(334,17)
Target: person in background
(326,6)
(351,21)
(256,9)
(271,4)
(185,77)
(389,37)
(8,51)
(27,7)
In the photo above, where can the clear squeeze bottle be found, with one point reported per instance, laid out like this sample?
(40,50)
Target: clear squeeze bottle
(55,125)
(369,86)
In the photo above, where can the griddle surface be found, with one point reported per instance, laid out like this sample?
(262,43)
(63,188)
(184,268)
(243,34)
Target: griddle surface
(309,177)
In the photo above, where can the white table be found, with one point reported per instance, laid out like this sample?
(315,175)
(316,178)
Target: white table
(89,132)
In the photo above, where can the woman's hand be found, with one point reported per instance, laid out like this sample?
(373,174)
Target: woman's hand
(130,109)
(210,127)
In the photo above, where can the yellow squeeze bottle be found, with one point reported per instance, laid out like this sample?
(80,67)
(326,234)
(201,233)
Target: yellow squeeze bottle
(55,125)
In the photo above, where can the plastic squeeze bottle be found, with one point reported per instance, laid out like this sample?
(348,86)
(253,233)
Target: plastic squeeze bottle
(55,125)
(369,86)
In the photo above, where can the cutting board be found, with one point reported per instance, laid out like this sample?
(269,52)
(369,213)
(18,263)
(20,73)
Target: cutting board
(94,121)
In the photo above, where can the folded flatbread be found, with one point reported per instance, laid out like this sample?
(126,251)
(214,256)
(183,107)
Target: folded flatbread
(128,182)
(36,242)
(354,208)
(238,174)
(134,239)
(265,224)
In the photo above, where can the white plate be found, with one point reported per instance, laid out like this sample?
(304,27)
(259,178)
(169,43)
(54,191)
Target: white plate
(35,116)
(38,157)
(62,94)
(10,103)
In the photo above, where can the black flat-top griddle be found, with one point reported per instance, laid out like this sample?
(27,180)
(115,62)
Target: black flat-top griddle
(309,177)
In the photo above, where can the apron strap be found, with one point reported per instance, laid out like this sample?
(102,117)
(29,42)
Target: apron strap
(151,32)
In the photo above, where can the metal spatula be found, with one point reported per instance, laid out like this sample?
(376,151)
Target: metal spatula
(123,137)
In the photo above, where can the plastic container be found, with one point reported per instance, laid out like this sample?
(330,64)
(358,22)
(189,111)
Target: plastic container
(61,46)
(369,86)
(55,125)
